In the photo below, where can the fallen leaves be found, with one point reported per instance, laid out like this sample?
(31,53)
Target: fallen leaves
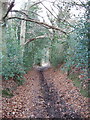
(29,99)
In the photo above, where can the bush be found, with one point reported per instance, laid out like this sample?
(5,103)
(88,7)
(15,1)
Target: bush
(12,62)
(57,53)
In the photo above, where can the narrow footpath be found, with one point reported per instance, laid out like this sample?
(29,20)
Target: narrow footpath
(46,94)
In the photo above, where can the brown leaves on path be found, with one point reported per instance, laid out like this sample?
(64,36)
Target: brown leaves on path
(48,97)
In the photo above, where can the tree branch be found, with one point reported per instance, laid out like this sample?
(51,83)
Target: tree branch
(49,10)
(21,12)
(9,9)
(32,39)
(38,22)
(36,3)
(58,19)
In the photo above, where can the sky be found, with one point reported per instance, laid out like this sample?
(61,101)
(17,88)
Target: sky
(18,5)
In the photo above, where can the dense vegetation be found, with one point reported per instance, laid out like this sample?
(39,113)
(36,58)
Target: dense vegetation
(69,50)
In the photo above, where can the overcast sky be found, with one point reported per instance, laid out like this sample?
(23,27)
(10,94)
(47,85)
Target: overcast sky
(18,5)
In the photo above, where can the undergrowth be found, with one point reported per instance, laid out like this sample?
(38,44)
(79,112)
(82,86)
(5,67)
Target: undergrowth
(78,83)
(7,93)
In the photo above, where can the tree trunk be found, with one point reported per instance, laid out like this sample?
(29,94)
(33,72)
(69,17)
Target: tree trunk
(3,50)
(3,10)
(22,34)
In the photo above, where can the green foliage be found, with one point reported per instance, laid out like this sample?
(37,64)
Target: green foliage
(78,83)
(77,53)
(76,63)
(14,62)
(57,55)
(71,50)
(34,51)
(57,50)
(7,93)
(19,79)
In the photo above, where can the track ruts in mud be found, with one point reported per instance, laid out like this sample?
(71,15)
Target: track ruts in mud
(54,105)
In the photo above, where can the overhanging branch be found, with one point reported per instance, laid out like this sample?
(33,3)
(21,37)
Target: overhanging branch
(32,39)
(23,13)
(38,22)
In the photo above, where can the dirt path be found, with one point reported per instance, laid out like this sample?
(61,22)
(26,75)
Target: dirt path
(46,94)
(55,105)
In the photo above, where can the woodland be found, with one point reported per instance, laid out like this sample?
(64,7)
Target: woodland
(44,42)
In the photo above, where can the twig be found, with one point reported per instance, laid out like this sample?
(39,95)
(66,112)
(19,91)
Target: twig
(63,20)
(21,12)
(49,10)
